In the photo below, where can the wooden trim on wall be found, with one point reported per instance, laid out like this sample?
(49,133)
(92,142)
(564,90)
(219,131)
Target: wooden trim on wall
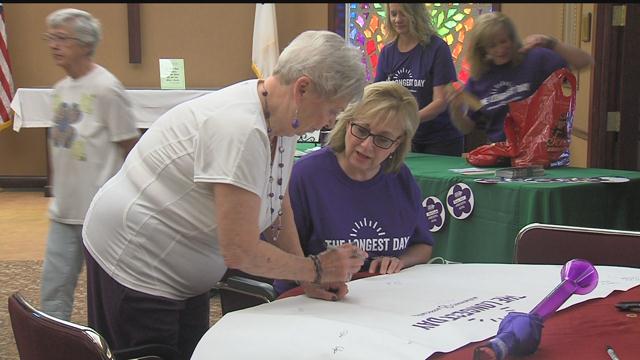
(135,43)
(596,152)
(335,14)
(331,16)
(22,182)
(629,135)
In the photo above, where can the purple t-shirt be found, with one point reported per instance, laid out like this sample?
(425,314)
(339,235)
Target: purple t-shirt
(383,215)
(503,84)
(419,70)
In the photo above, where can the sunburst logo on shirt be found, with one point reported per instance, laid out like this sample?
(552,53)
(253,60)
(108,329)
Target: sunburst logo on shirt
(403,73)
(500,87)
(364,224)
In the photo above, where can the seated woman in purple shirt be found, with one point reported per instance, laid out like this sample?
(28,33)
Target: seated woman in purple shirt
(358,190)
(503,69)
(417,58)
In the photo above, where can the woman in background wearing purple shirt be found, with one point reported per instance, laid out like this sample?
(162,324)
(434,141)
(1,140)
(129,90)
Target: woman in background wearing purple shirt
(504,69)
(415,57)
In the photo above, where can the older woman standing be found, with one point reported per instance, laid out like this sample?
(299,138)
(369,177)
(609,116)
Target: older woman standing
(374,201)
(93,130)
(416,57)
(504,69)
(201,185)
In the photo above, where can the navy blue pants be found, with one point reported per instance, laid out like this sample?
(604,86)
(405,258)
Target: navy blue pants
(127,318)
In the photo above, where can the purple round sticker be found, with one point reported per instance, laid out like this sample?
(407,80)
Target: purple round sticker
(460,201)
(434,211)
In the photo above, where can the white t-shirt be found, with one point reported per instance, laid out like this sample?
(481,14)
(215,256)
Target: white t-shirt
(91,114)
(153,226)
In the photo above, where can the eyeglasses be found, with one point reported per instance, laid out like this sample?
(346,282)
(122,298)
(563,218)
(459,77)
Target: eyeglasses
(363,133)
(58,38)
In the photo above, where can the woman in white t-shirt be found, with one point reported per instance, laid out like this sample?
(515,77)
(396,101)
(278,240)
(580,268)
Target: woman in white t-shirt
(199,188)
(93,129)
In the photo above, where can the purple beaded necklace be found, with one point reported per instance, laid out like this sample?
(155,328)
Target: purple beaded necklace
(276,224)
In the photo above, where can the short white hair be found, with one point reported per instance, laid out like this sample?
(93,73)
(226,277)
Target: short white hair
(335,67)
(87,28)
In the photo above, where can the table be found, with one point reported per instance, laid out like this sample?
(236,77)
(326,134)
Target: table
(594,318)
(32,106)
(384,310)
(32,109)
(501,210)
(581,332)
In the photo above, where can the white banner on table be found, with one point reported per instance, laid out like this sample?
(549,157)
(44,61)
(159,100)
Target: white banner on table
(409,315)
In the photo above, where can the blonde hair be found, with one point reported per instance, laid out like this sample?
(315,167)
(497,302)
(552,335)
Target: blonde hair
(482,36)
(382,101)
(420,24)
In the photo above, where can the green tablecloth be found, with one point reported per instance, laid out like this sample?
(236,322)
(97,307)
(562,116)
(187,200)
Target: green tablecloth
(501,210)
(306,146)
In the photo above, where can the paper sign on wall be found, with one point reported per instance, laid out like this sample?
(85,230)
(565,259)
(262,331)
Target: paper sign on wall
(172,74)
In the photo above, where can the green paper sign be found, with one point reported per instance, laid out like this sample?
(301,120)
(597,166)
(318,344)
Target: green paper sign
(172,74)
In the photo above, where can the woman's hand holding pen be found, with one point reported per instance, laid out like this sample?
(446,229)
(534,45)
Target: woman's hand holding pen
(329,291)
(340,262)
(336,265)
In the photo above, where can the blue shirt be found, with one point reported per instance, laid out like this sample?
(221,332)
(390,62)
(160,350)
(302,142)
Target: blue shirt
(503,84)
(419,70)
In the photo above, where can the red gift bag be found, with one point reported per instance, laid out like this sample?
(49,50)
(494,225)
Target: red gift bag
(494,154)
(538,128)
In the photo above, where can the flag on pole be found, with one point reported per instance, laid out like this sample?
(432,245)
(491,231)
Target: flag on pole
(265,51)
(6,82)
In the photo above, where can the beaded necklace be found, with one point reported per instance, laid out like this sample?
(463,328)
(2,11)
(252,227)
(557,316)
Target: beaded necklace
(276,224)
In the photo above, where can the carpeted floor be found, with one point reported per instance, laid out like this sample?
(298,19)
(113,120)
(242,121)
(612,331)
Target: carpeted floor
(24,276)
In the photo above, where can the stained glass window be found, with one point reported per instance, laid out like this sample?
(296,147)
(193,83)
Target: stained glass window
(452,21)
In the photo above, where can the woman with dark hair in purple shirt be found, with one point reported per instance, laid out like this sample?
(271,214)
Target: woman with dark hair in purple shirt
(417,58)
(504,69)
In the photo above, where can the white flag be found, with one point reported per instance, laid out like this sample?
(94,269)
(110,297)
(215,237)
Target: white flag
(265,51)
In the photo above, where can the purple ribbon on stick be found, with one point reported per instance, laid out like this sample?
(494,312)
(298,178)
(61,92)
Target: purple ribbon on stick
(519,333)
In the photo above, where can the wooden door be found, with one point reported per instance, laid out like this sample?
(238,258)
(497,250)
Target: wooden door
(615,112)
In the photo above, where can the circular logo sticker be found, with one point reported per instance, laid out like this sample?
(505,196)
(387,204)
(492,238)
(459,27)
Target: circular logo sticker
(460,201)
(586,180)
(540,180)
(488,181)
(613,179)
(434,211)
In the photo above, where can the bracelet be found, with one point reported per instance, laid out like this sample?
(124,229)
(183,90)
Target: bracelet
(317,267)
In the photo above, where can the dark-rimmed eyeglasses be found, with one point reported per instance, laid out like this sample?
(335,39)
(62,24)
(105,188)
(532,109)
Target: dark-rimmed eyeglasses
(58,38)
(380,141)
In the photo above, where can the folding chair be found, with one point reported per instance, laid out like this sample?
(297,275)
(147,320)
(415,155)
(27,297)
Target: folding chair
(239,290)
(40,336)
(556,244)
